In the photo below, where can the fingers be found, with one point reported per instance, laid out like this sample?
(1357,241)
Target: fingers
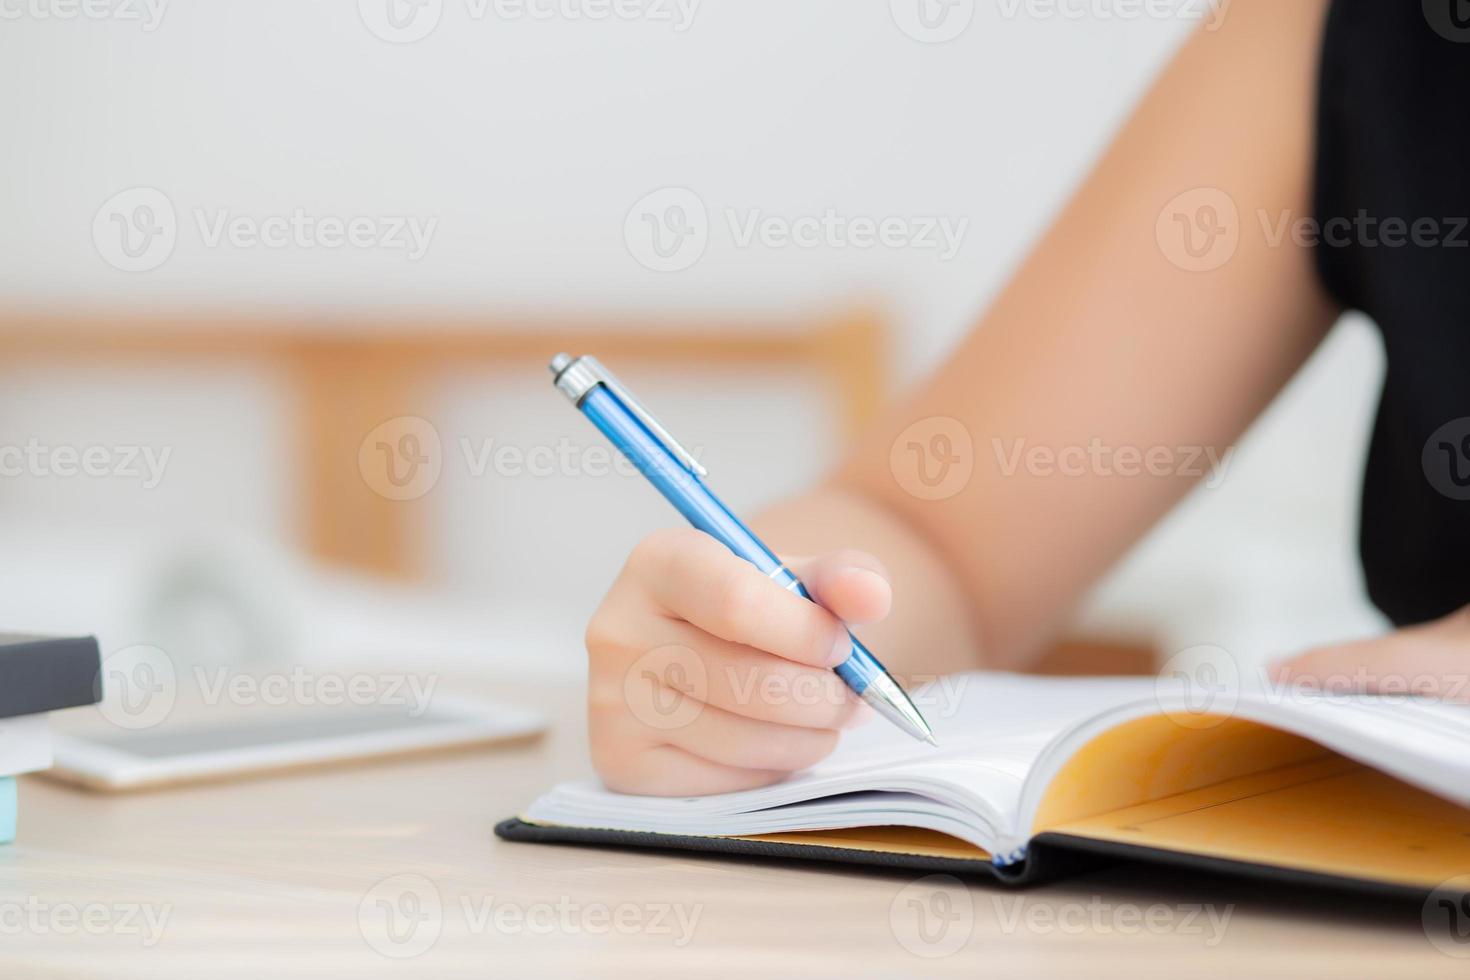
(695,578)
(1431,660)
(1312,667)
(718,751)
(852,585)
(708,677)
(744,743)
(751,683)
(665,770)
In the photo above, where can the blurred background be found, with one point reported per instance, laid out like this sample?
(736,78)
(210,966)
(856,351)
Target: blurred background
(278,283)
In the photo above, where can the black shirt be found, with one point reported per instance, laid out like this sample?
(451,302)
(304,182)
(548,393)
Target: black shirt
(1392,202)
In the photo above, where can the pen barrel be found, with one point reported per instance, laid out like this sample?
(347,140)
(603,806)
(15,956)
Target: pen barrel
(678,485)
(705,511)
(858,670)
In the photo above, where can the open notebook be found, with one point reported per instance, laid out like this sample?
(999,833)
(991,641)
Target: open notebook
(1033,775)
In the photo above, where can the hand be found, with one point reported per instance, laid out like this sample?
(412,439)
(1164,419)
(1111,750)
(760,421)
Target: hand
(1432,659)
(705,676)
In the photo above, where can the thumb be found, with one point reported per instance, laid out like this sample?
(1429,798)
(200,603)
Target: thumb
(851,585)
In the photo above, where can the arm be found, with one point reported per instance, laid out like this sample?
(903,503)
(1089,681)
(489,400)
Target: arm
(1099,337)
(1102,337)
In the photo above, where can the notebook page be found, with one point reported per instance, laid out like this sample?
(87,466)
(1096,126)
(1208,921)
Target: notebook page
(1421,742)
(1417,740)
(991,730)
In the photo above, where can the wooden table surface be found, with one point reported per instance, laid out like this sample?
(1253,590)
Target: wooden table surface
(392,868)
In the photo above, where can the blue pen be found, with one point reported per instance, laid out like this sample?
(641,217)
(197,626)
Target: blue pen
(676,474)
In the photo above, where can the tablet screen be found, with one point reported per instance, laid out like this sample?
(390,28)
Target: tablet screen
(272,731)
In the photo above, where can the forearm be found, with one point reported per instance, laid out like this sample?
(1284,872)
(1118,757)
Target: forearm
(1107,343)
(930,630)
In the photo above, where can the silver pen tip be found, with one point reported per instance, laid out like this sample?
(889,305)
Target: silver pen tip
(560,363)
(888,699)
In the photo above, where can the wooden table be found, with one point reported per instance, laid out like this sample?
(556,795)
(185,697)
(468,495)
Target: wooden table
(296,875)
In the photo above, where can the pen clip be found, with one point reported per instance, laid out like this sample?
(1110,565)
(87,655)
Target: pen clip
(598,374)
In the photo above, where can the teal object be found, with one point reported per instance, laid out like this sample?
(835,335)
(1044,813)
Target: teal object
(7,809)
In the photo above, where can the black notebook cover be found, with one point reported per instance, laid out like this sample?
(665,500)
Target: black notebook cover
(46,673)
(1049,857)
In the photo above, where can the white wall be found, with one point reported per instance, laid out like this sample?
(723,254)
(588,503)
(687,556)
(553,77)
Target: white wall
(528,141)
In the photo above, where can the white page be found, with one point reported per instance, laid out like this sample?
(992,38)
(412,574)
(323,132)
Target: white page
(1421,742)
(991,730)
(1426,743)
(1002,739)
(25,744)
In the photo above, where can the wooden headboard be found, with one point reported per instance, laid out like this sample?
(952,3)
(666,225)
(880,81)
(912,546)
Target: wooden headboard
(353,372)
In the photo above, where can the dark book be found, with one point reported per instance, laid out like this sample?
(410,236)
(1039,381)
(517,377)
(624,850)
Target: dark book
(47,673)
(1036,777)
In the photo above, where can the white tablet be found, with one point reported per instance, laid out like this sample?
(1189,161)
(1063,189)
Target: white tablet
(112,758)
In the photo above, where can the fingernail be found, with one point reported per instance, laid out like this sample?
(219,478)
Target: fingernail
(841,649)
(868,573)
(875,581)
